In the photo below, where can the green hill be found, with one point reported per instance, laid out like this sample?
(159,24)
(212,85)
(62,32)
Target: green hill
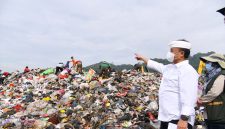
(194,61)
(115,67)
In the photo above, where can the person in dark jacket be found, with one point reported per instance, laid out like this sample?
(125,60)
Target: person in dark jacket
(1,78)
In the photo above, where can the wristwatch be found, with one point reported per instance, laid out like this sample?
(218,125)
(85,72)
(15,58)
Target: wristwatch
(184,117)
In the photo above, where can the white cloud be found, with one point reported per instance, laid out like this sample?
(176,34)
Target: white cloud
(41,33)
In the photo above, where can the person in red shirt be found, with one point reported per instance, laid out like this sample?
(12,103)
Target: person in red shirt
(3,76)
(6,74)
(26,70)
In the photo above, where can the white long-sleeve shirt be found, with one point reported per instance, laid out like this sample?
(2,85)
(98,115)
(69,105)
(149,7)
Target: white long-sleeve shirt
(178,90)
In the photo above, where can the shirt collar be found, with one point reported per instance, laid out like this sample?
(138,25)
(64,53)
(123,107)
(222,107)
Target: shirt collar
(185,62)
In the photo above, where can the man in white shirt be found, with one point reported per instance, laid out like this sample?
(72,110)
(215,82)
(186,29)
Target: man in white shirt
(178,89)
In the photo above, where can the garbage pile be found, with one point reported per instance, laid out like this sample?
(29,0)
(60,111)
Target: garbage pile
(41,99)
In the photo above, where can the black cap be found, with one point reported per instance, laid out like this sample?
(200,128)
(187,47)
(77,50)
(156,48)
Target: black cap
(222,11)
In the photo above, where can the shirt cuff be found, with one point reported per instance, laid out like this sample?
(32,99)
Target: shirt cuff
(187,111)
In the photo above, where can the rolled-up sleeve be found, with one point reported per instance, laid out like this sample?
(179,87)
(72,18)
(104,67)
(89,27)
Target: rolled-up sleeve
(188,88)
(155,66)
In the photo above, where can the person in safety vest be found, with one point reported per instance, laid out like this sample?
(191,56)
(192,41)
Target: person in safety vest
(213,98)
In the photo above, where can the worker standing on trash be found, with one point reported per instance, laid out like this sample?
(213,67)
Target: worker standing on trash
(59,68)
(178,89)
(105,69)
(1,78)
(77,65)
(26,70)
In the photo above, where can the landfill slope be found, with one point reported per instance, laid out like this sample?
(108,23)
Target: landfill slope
(127,99)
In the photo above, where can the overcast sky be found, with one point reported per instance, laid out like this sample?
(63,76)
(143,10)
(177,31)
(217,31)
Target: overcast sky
(41,33)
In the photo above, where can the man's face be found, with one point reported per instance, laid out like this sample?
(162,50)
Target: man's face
(179,55)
